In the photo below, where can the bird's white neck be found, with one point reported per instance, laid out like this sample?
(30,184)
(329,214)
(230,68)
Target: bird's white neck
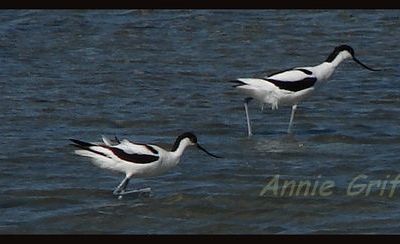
(181,148)
(339,58)
(172,158)
(325,70)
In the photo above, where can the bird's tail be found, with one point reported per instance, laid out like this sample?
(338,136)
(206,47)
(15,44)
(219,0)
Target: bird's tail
(99,155)
(85,146)
(81,144)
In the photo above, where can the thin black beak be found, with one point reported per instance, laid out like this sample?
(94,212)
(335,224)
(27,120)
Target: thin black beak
(363,65)
(204,150)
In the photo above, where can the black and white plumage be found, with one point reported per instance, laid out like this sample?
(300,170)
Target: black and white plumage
(289,87)
(135,159)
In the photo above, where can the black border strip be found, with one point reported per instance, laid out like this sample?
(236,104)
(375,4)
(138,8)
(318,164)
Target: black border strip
(202,4)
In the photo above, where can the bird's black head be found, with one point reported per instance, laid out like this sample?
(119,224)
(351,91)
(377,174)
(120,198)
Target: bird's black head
(342,48)
(345,48)
(338,50)
(193,139)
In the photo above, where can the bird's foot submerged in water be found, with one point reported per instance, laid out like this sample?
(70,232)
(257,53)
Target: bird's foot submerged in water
(138,192)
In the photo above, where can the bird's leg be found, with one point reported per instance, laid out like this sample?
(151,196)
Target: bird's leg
(120,191)
(121,187)
(143,190)
(137,193)
(246,101)
(294,107)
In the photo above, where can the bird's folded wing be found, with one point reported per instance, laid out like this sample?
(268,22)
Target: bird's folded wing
(291,75)
(133,157)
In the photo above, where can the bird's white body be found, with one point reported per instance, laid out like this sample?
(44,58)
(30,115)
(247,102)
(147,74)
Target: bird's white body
(135,159)
(292,86)
(166,159)
(268,93)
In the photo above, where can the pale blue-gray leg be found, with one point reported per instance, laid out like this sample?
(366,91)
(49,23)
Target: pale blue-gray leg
(246,101)
(121,187)
(135,193)
(143,190)
(294,107)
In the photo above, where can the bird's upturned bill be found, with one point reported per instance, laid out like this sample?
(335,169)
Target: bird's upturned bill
(203,149)
(365,66)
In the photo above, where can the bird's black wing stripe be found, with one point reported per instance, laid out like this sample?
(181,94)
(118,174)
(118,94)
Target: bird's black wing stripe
(148,147)
(82,143)
(278,72)
(294,85)
(305,71)
(238,83)
(151,149)
(134,158)
(85,146)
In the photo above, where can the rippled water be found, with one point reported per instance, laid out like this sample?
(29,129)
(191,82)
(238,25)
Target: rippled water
(150,75)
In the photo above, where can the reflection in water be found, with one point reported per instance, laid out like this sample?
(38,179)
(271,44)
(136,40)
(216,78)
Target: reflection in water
(284,143)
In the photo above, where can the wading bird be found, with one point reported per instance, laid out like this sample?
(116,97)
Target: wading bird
(136,159)
(289,87)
